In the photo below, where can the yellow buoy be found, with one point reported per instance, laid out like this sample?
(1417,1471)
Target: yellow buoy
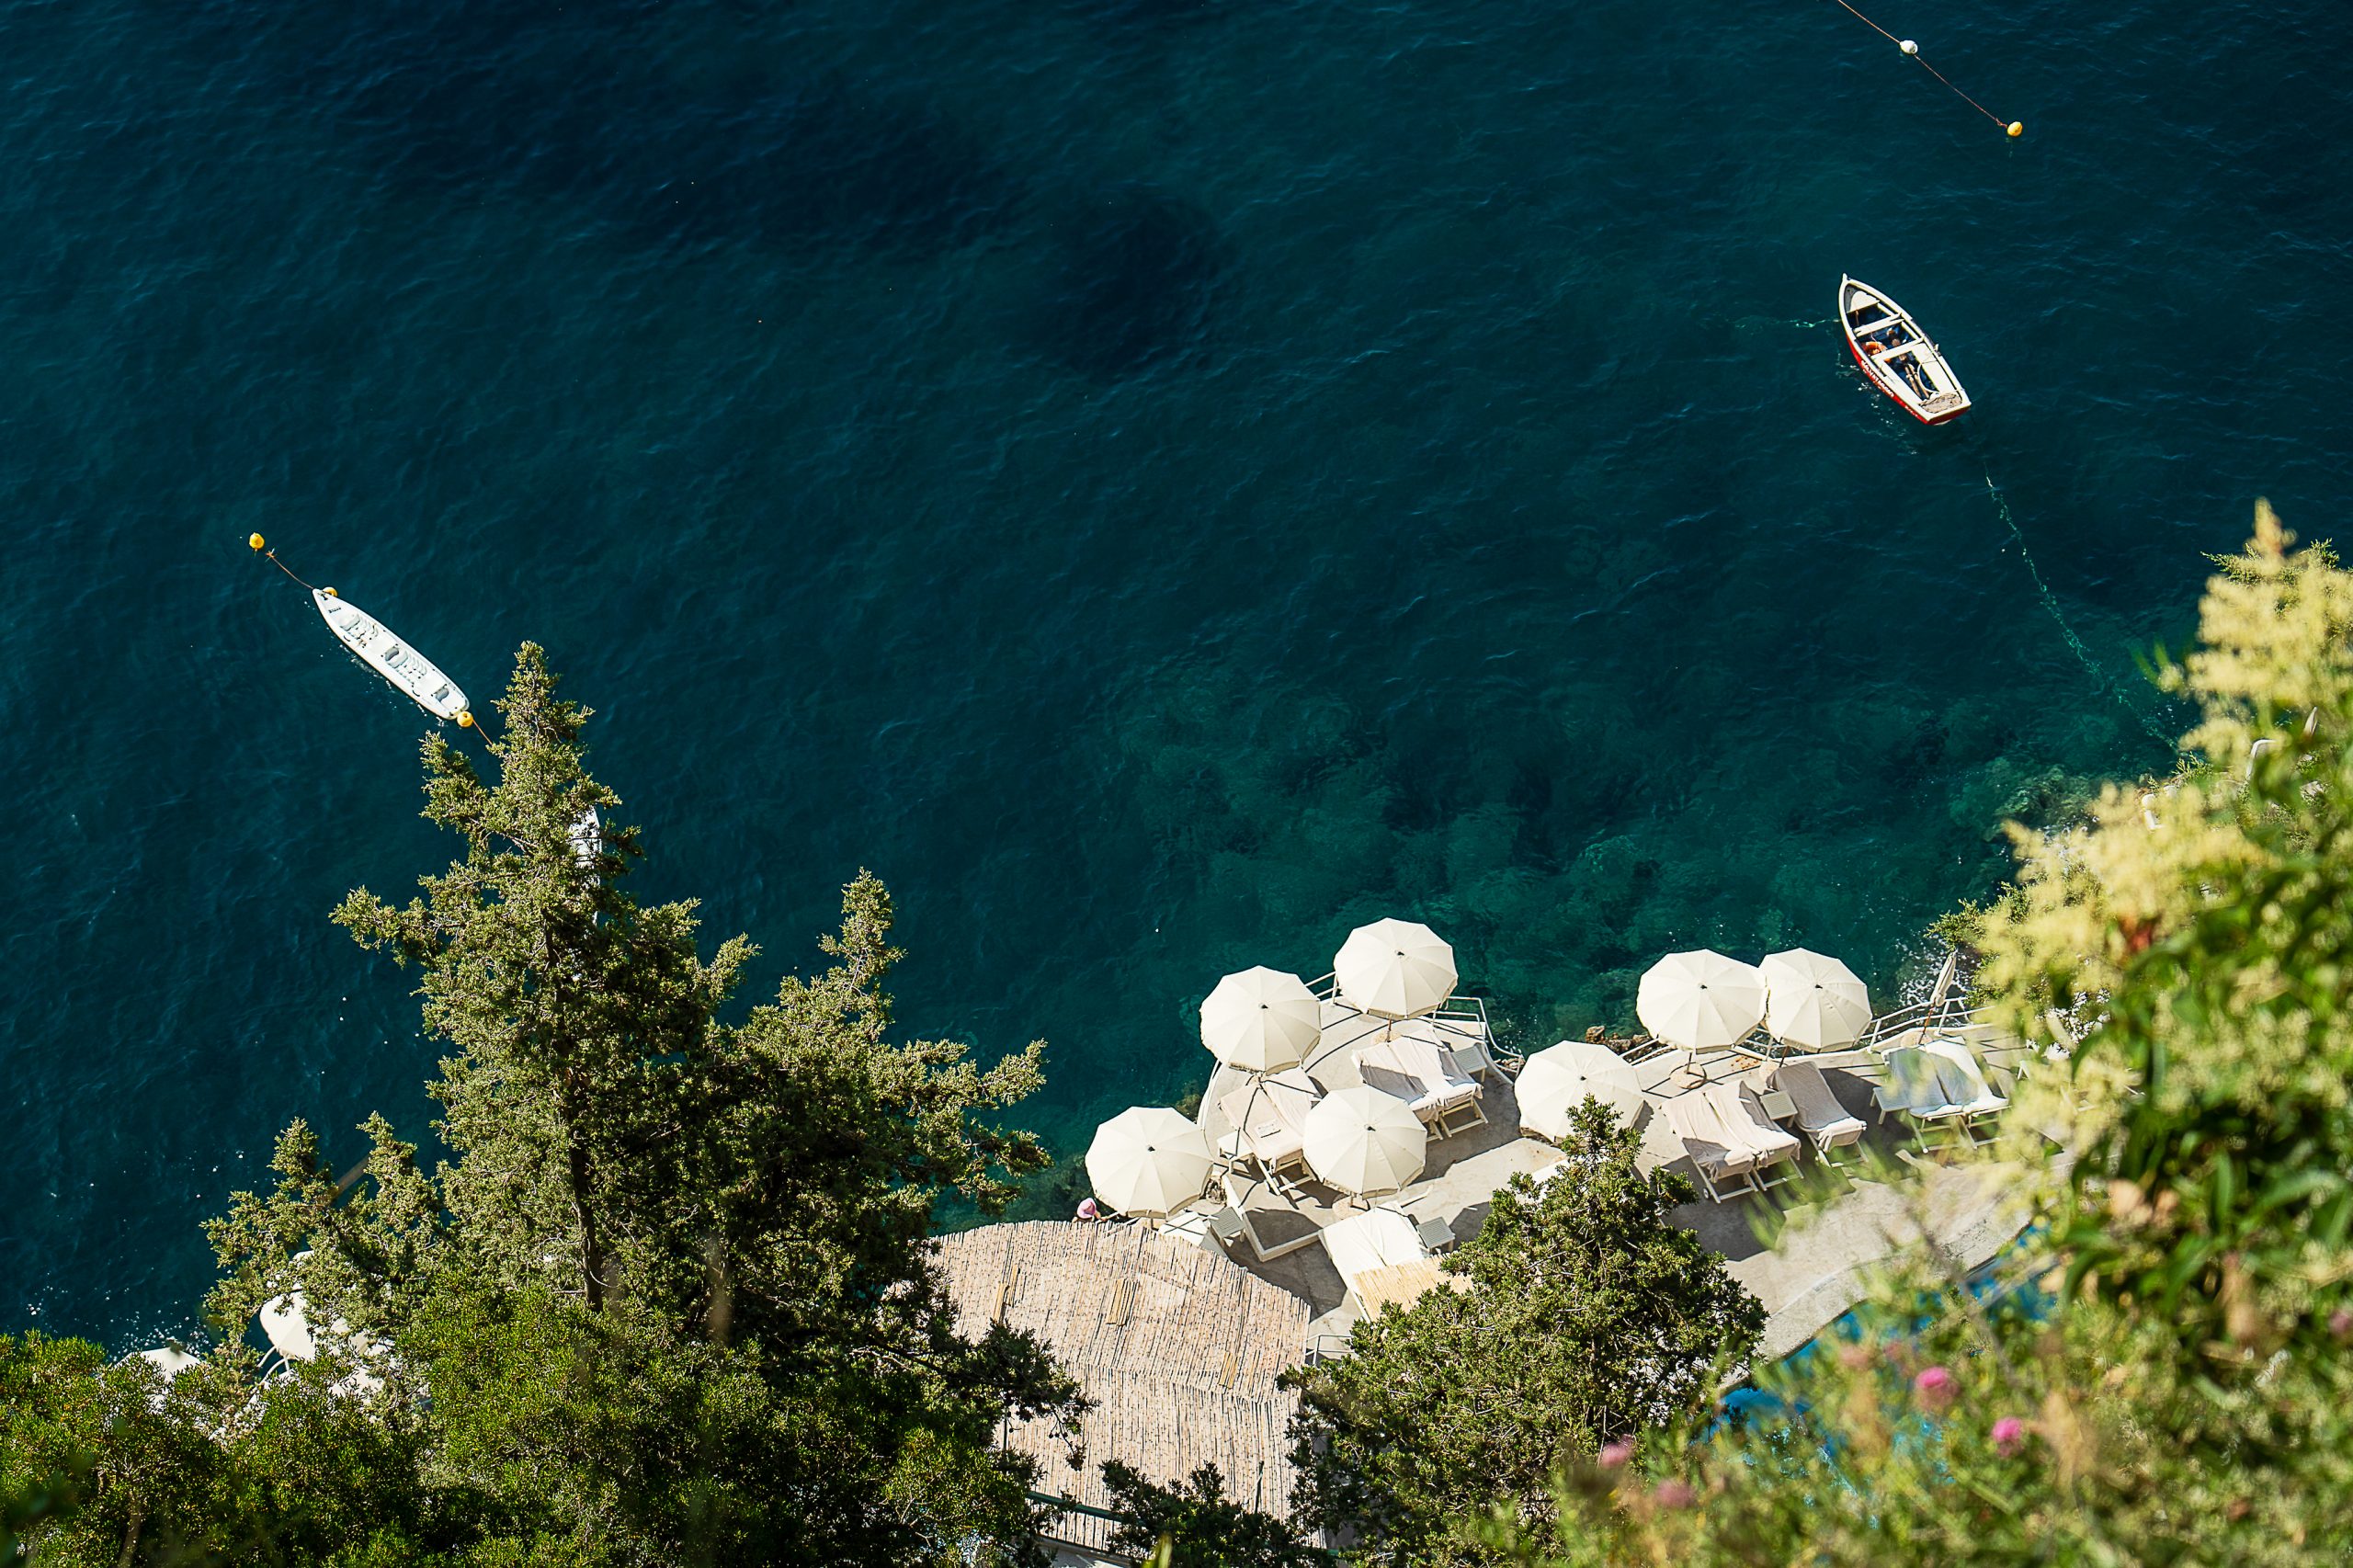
(2016,128)
(465,720)
(329,592)
(255,541)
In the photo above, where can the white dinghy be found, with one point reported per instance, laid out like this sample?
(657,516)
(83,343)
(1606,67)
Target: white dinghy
(1897,356)
(391,658)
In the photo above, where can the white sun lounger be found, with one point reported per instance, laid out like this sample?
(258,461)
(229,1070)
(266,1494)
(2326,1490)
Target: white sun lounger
(1717,1162)
(1914,1092)
(1253,1198)
(1749,1127)
(1270,1120)
(1820,1116)
(1368,1243)
(1464,1039)
(1963,1082)
(1417,1072)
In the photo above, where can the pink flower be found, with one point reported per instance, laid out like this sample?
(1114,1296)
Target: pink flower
(1616,1454)
(2340,1323)
(1935,1387)
(1674,1494)
(2009,1435)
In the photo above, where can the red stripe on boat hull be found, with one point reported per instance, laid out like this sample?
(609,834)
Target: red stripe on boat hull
(1857,350)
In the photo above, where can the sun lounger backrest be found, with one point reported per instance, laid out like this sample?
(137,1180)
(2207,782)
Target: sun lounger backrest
(1378,1238)
(1420,1058)
(1253,1112)
(1810,1091)
(1729,1123)
(1746,1130)
(1270,1117)
(1953,1080)
(1962,1080)
(1683,1116)
(1912,1081)
(1703,1137)
(1818,1106)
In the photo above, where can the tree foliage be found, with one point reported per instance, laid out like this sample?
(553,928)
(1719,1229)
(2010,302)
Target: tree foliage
(1202,1525)
(669,1299)
(1586,1314)
(2202,935)
(106,1466)
(575,1014)
(2174,1387)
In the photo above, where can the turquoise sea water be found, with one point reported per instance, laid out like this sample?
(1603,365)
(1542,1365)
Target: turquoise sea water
(1161,481)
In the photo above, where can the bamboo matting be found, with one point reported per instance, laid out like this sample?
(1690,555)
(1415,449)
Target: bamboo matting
(1178,1347)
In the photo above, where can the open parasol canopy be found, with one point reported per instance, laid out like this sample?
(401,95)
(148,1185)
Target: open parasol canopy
(1556,1081)
(1700,1000)
(1261,1020)
(1148,1161)
(1364,1142)
(1394,969)
(1813,1001)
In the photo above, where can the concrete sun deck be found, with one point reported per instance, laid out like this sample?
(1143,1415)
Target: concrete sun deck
(1811,1275)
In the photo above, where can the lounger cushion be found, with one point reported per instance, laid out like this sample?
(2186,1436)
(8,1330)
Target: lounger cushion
(1819,1112)
(1379,1238)
(1703,1140)
(1745,1127)
(1417,1073)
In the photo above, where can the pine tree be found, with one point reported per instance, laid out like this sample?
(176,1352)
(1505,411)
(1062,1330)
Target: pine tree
(575,1013)
(671,1298)
(1585,1314)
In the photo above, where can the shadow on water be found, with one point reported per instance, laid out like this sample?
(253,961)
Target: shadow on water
(618,111)
(660,135)
(1140,270)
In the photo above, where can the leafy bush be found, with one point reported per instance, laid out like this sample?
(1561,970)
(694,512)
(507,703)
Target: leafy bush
(2185,1396)
(671,1299)
(1585,1314)
(1201,1526)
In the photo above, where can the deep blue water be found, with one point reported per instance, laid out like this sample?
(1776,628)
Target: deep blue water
(1160,480)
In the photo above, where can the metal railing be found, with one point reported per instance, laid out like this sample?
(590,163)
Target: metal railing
(1951,1014)
(1324,1346)
(1082,1525)
(1095,1526)
(1464,1016)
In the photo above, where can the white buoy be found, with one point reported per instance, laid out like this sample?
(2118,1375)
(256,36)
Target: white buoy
(1908,47)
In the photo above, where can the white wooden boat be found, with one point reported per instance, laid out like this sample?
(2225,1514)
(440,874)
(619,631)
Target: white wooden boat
(588,837)
(1897,356)
(389,656)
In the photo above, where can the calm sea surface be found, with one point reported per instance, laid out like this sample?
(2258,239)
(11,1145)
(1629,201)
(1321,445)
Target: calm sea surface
(1162,483)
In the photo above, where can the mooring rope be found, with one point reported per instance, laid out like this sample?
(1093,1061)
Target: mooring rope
(261,547)
(2100,677)
(2013,128)
(272,556)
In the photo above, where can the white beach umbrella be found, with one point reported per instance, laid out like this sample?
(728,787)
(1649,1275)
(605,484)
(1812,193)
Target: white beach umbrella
(1700,1000)
(1364,1142)
(170,1360)
(1261,1020)
(1394,969)
(1148,1162)
(1556,1081)
(1813,1001)
(287,1327)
